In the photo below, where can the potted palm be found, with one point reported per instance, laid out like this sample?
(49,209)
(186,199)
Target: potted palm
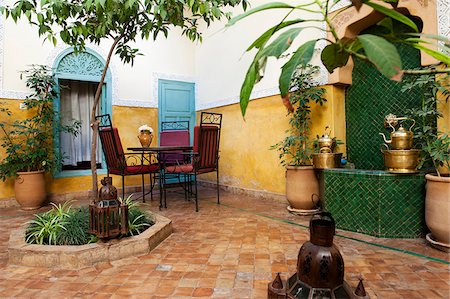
(302,186)
(28,142)
(435,147)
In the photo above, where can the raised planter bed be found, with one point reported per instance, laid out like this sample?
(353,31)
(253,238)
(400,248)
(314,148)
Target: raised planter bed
(76,257)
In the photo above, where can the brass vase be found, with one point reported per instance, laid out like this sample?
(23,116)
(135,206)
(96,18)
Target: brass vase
(145,138)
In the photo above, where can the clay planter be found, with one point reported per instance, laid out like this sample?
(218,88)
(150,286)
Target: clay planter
(437,208)
(302,187)
(29,188)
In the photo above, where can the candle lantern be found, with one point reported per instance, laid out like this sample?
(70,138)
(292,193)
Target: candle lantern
(320,268)
(108,218)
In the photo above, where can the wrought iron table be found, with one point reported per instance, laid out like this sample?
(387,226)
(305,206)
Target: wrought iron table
(158,150)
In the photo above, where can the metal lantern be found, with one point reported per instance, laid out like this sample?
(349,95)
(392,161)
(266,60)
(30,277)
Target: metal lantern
(108,218)
(320,268)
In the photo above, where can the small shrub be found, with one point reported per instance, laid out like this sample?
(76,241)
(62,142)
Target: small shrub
(44,229)
(138,221)
(77,227)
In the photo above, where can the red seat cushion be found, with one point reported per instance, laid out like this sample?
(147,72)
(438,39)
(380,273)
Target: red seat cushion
(138,169)
(183,168)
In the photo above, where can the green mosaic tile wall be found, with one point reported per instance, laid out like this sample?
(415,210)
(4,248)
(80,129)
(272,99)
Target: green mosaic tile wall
(368,100)
(375,202)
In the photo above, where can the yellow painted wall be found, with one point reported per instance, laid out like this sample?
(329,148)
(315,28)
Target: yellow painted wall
(126,119)
(245,158)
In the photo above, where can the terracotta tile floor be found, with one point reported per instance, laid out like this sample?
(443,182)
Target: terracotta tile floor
(230,250)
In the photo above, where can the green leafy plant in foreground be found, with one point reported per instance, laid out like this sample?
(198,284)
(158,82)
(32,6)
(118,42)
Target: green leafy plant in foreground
(377,49)
(44,229)
(296,148)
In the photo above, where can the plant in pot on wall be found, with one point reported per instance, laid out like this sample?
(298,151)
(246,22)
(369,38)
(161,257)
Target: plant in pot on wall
(302,186)
(28,142)
(435,147)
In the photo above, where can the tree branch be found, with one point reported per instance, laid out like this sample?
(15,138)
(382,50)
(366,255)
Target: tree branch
(426,71)
(95,123)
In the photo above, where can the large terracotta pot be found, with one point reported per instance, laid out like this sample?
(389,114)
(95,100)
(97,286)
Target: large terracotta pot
(29,188)
(302,187)
(437,207)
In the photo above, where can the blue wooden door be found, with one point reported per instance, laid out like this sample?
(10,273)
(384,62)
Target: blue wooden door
(176,102)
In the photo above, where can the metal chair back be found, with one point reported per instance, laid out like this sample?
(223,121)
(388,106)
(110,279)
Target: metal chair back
(207,141)
(111,144)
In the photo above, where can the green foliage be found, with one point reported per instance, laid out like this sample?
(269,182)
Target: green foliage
(300,59)
(63,225)
(296,148)
(389,64)
(44,229)
(435,145)
(138,221)
(76,229)
(28,142)
(378,50)
(129,201)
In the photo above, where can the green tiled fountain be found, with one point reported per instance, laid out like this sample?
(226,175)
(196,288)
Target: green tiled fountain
(367,199)
(375,202)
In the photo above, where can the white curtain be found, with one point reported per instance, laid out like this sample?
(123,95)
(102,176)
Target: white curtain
(77,99)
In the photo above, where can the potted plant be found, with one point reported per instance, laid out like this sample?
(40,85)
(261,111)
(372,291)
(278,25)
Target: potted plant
(435,147)
(28,142)
(302,186)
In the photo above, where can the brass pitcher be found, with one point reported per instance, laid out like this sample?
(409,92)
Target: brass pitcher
(326,141)
(401,139)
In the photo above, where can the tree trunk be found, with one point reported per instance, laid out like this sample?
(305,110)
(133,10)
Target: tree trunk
(95,124)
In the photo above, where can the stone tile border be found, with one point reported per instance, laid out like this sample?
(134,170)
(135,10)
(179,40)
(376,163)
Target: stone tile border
(260,194)
(76,257)
(61,198)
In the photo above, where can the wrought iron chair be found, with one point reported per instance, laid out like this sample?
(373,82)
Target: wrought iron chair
(124,164)
(205,156)
(173,133)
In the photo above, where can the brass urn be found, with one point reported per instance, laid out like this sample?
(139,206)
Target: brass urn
(326,158)
(398,155)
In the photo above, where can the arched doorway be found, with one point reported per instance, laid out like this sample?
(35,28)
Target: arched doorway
(77,76)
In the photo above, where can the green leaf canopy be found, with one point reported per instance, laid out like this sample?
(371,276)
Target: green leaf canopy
(383,55)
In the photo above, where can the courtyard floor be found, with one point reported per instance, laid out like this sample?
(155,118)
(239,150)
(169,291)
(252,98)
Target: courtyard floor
(230,250)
